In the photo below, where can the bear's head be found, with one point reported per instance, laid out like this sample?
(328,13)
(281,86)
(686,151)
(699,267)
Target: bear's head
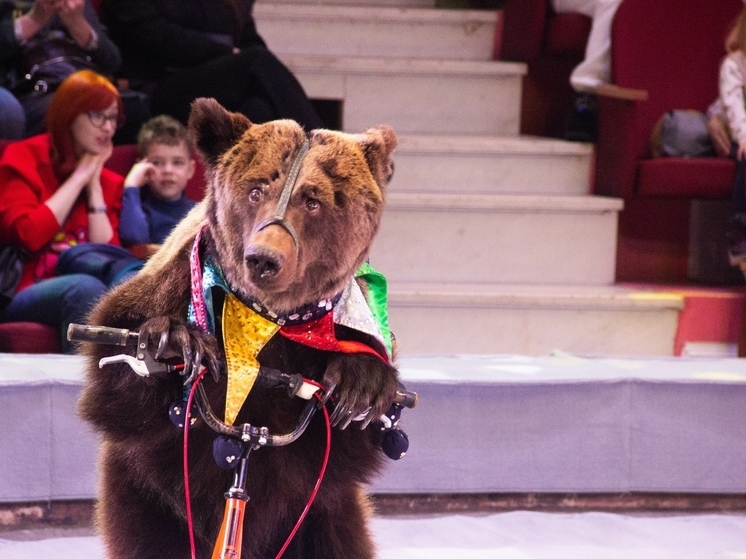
(291,216)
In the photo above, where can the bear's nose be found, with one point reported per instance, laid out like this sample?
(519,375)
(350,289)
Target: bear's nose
(263,263)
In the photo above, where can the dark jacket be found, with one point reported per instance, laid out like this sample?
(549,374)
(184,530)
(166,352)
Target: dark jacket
(155,35)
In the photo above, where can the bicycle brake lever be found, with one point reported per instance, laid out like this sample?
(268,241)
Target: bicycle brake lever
(144,364)
(136,365)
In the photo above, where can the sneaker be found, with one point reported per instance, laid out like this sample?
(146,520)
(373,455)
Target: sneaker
(582,125)
(736,237)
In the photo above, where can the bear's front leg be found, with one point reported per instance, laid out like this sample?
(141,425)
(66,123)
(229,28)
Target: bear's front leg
(364,385)
(196,347)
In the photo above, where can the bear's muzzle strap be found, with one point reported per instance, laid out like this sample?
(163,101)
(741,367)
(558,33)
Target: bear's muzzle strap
(287,190)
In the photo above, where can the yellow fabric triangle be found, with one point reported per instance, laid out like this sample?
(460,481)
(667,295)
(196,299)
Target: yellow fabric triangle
(245,333)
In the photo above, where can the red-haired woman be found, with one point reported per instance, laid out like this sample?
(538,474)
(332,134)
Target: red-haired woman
(55,194)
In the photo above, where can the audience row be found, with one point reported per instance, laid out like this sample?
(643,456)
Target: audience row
(72,217)
(166,52)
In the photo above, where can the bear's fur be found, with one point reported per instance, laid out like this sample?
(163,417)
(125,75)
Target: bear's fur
(335,208)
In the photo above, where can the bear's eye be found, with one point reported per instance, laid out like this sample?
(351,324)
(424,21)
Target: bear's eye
(255,196)
(312,205)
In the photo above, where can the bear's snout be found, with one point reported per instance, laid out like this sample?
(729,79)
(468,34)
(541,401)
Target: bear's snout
(264,263)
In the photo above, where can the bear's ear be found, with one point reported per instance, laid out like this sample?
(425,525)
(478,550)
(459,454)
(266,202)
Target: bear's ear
(213,129)
(378,145)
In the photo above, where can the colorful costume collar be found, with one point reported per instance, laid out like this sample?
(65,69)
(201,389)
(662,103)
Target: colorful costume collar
(248,328)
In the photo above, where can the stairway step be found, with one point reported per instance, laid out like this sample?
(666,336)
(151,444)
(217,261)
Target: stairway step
(478,164)
(439,319)
(377,31)
(400,3)
(507,239)
(417,96)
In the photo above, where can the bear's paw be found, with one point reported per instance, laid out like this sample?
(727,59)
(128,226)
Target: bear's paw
(175,337)
(365,385)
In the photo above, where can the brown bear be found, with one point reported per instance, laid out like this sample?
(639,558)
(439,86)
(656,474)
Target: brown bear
(284,253)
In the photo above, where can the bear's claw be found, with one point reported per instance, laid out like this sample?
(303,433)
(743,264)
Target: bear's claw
(175,337)
(366,387)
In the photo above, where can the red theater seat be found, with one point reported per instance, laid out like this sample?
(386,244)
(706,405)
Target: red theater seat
(551,45)
(665,55)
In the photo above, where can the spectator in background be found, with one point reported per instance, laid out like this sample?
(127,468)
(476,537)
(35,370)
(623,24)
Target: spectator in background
(154,200)
(179,50)
(56,194)
(727,125)
(71,26)
(595,69)
(12,117)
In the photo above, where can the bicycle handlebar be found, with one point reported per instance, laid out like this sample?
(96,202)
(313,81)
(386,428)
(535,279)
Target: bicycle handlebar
(121,337)
(100,334)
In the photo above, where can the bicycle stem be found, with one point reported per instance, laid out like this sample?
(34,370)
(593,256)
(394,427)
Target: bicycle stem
(230,536)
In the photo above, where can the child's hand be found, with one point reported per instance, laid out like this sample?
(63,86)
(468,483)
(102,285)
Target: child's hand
(719,136)
(139,175)
(741,154)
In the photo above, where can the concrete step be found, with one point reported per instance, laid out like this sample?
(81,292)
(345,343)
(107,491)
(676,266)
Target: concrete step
(417,96)
(497,239)
(497,165)
(377,31)
(400,3)
(440,319)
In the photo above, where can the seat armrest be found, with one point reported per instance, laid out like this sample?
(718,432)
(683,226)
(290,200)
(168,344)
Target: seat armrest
(623,93)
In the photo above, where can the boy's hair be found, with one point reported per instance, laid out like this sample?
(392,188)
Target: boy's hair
(162,129)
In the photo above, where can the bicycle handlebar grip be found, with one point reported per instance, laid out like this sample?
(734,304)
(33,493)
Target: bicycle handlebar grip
(406,398)
(97,334)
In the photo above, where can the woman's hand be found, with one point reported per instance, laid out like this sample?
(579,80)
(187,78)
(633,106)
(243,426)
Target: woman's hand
(85,176)
(140,174)
(42,11)
(99,226)
(72,16)
(37,17)
(95,163)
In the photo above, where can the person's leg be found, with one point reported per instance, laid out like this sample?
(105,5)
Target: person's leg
(57,302)
(595,68)
(12,116)
(253,82)
(736,231)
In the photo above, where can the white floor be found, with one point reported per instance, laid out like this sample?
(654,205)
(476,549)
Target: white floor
(512,535)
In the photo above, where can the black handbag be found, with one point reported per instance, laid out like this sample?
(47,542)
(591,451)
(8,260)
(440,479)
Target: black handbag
(11,269)
(46,61)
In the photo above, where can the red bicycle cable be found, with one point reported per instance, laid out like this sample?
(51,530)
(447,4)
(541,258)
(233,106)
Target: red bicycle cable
(321,472)
(187,495)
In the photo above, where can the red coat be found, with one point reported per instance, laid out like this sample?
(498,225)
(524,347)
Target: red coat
(27,180)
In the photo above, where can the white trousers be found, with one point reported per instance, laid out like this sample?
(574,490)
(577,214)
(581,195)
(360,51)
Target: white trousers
(596,67)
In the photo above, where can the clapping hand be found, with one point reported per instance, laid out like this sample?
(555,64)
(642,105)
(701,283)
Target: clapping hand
(70,12)
(42,11)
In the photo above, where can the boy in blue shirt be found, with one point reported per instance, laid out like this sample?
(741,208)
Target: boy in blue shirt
(154,201)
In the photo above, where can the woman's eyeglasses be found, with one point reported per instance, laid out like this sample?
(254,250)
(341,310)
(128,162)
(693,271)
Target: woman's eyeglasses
(98,119)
